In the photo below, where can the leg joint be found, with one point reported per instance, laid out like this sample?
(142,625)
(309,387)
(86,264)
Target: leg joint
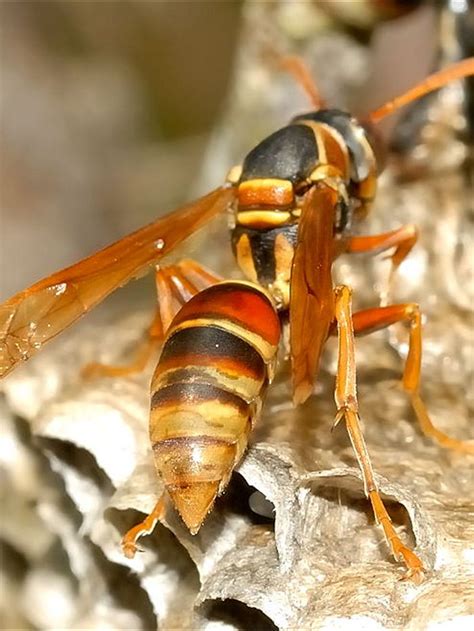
(413,313)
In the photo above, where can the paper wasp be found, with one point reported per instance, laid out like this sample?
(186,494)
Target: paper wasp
(292,205)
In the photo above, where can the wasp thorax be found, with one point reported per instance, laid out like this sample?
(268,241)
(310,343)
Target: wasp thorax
(361,178)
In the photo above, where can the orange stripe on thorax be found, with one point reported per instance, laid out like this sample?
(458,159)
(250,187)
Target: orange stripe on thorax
(265,192)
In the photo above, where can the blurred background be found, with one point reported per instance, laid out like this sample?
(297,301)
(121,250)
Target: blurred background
(108,107)
(113,113)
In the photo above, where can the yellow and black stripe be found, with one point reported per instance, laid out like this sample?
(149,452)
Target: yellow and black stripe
(207,391)
(327,145)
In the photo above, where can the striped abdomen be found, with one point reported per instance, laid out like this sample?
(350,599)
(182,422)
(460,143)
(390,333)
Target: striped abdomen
(207,391)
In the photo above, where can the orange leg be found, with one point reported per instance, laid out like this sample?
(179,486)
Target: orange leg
(402,240)
(371,320)
(129,540)
(347,409)
(175,285)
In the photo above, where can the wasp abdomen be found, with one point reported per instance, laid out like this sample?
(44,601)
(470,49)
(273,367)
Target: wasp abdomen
(207,391)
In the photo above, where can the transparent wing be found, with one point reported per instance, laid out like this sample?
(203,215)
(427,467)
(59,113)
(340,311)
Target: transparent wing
(34,316)
(311,293)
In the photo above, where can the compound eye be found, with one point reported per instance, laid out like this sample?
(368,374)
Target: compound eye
(376,143)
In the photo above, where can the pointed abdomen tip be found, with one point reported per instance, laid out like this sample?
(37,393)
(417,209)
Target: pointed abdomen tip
(194,502)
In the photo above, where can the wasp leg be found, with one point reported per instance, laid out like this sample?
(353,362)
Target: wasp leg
(402,240)
(175,285)
(347,409)
(371,320)
(129,540)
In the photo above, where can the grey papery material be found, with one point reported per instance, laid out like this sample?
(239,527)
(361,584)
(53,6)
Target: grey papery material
(85,474)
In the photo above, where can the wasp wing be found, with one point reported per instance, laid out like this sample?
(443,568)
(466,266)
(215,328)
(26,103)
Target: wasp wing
(34,316)
(311,289)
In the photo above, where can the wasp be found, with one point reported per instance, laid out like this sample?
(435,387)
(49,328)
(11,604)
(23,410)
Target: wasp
(293,203)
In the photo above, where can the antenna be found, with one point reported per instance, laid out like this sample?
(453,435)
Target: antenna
(463,68)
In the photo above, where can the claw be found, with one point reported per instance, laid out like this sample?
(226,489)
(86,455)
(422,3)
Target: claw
(129,548)
(417,576)
(415,570)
